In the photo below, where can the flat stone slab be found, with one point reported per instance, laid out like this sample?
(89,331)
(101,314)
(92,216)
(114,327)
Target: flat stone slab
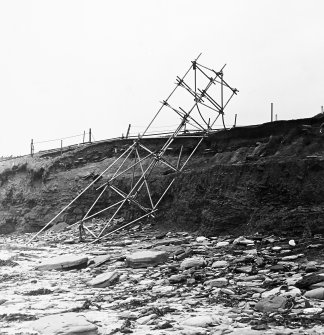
(316,293)
(201,321)
(64,324)
(105,279)
(64,262)
(146,258)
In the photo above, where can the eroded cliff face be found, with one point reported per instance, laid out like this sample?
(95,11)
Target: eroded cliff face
(261,178)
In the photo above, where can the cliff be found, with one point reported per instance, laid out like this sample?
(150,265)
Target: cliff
(261,178)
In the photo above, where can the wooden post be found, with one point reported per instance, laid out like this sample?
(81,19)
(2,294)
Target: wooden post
(32,148)
(276,118)
(322,108)
(235,121)
(90,135)
(128,130)
(61,147)
(271,111)
(83,136)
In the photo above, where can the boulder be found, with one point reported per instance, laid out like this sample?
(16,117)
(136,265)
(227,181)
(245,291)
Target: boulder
(271,304)
(64,262)
(146,258)
(105,279)
(64,324)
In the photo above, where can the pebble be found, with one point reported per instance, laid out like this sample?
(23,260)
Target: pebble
(192,263)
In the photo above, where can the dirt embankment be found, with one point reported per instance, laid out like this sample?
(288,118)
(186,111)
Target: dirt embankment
(259,178)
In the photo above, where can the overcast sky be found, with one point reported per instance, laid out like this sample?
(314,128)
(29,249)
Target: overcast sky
(66,66)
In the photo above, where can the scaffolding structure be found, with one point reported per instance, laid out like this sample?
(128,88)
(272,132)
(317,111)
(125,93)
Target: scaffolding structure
(209,95)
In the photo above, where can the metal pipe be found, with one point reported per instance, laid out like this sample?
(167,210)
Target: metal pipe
(77,197)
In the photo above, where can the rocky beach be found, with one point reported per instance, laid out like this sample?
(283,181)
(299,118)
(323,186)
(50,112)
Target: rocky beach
(144,281)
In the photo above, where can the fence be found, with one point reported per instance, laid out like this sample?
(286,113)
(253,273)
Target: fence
(87,138)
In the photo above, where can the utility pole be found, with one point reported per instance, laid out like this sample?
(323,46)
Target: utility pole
(90,135)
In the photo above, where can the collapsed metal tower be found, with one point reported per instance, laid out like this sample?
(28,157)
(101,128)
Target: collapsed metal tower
(210,94)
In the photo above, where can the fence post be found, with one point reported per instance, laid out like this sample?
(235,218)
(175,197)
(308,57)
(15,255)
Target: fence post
(61,147)
(32,148)
(235,121)
(322,109)
(128,130)
(271,111)
(83,136)
(90,135)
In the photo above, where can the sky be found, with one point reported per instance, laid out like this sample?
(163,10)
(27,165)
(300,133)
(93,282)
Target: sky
(70,65)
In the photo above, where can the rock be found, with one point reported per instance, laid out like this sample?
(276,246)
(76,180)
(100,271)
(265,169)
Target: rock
(145,319)
(247,331)
(244,269)
(200,321)
(192,263)
(98,261)
(201,239)
(227,291)
(220,264)
(311,267)
(271,304)
(253,252)
(276,248)
(169,241)
(64,324)
(64,262)
(163,289)
(177,279)
(193,331)
(317,293)
(105,279)
(317,285)
(218,282)
(278,268)
(242,240)
(290,258)
(146,258)
(292,243)
(222,244)
(312,310)
(309,280)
